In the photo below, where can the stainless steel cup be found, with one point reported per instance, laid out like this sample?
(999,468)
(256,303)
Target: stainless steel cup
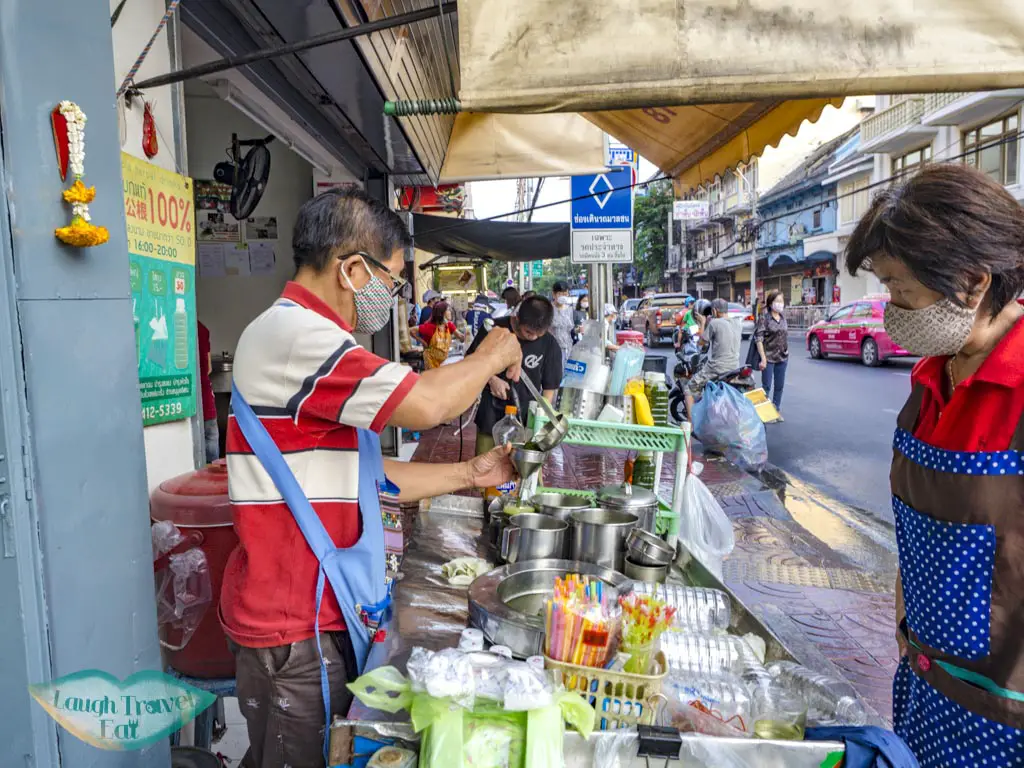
(599,536)
(530,536)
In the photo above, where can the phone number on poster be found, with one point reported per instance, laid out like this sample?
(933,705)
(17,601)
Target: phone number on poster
(162,411)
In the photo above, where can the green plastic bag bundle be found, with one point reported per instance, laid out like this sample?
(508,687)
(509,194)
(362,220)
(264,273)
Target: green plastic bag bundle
(485,737)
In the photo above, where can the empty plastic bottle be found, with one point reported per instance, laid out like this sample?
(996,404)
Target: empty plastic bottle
(829,701)
(697,609)
(509,429)
(707,656)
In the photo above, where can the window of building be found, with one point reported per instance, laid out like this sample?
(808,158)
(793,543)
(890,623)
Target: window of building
(906,165)
(992,148)
(854,198)
(816,220)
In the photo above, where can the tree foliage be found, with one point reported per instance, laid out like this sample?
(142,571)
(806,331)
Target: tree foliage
(650,220)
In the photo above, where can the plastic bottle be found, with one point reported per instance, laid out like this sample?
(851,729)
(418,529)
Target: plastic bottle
(643,471)
(180,336)
(698,609)
(829,701)
(509,429)
(708,656)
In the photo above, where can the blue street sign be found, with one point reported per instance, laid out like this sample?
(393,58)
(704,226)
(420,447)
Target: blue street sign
(608,203)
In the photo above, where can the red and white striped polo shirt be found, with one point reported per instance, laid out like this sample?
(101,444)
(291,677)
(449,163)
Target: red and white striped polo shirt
(311,385)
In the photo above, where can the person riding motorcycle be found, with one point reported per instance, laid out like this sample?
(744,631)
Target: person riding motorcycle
(724,338)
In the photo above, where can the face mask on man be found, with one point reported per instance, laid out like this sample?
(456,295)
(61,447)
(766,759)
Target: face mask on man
(939,329)
(373,302)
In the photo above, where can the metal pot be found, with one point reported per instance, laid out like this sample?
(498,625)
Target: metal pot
(533,537)
(497,524)
(628,498)
(507,604)
(645,548)
(649,574)
(559,505)
(599,536)
(580,403)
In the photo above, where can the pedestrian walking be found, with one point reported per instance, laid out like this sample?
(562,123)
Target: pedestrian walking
(563,323)
(771,335)
(949,246)
(436,335)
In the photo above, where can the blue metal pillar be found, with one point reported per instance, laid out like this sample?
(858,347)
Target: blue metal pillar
(76,584)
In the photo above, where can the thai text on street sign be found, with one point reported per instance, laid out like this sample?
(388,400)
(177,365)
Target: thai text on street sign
(538,269)
(162,258)
(602,217)
(690,210)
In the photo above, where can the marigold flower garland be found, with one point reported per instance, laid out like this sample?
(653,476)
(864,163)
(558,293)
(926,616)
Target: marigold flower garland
(81,232)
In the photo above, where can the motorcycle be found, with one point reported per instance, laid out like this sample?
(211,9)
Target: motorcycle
(691,357)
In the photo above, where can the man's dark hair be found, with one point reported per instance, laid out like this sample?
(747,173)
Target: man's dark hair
(511,297)
(536,313)
(559,287)
(950,225)
(721,306)
(528,294)
(342,221)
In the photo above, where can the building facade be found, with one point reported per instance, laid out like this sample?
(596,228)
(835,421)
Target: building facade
(982,129)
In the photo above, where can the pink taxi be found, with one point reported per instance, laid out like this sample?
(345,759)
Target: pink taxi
(855,330)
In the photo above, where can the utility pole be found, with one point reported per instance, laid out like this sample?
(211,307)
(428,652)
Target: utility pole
(669,232)
(753,246)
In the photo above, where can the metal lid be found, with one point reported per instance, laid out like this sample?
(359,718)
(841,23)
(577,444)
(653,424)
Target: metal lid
(626,496)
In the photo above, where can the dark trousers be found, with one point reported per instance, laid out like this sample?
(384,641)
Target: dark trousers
(773,381)
(279,695)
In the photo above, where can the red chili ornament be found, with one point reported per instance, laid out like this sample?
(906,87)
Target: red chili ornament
(149,142)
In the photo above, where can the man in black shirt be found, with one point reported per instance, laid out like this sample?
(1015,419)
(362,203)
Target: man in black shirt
(542,362)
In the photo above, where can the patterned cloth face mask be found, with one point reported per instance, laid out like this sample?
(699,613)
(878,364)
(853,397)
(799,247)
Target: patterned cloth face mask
(940,329)
(373,302)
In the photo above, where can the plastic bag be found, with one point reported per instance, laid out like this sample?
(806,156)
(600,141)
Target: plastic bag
(704,529)
(725,420)
(183,587)
(384,688)
(629,361)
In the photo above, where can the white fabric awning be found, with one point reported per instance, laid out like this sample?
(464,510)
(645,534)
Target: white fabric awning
(586,56)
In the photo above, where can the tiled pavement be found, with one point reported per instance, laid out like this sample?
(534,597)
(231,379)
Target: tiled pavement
(797,564)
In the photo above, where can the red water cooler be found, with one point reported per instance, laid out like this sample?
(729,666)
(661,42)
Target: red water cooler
(197,503)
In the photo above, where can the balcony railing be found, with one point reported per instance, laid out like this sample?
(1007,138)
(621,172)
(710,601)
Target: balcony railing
(903,113)
(933,102)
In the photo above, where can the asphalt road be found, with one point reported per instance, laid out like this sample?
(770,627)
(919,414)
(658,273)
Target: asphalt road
(840,418)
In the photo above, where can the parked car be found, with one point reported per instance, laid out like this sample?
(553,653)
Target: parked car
(855,330)
(744,316)
(626,312)
(655,317)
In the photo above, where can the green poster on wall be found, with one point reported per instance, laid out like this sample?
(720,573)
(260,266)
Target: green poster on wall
(162,257)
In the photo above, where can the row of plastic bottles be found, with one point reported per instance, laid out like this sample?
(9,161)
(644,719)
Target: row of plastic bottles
(697,609)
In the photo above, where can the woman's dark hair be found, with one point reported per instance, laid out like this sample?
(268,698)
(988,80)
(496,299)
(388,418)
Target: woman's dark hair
(536,313)
(559,287)
(511,297)
(437,314)
(528,294)
(770,299)
(950,225)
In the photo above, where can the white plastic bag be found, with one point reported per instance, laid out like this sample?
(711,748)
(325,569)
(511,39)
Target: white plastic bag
(704,529)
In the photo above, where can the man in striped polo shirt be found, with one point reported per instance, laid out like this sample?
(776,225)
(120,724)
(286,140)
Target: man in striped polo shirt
(313,387)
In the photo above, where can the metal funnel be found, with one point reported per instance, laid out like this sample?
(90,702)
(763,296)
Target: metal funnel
(526,461)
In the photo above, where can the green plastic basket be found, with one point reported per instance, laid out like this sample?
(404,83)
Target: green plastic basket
(622,437)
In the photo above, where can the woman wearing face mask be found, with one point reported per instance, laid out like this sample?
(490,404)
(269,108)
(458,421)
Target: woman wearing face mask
(772,339)
(562,325)
(580,316)
(949,245)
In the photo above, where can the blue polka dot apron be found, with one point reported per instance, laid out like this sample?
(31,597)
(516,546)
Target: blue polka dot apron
(958,696)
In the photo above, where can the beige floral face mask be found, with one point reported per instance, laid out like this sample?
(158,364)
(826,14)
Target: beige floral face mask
(939,329)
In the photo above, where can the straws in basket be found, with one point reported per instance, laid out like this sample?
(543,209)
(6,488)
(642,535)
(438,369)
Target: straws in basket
(581,622)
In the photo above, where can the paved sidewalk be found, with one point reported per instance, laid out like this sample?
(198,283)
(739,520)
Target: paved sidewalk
(818,574)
